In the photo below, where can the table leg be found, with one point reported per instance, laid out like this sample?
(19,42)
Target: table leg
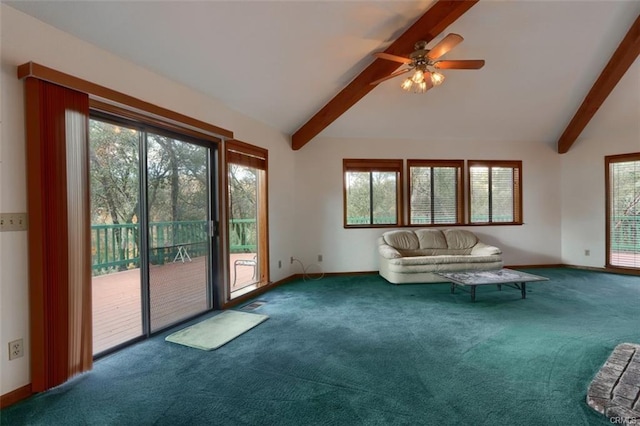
(182,254)
(523,289)
(473,293)
(499,287)
(453,288)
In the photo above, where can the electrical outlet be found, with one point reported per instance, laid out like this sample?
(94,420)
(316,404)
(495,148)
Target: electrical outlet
(319,258)
(292,259)
(13,222)
(15,349)
(279,264)
(587,252)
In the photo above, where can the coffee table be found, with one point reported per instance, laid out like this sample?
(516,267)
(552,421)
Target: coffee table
(508,277)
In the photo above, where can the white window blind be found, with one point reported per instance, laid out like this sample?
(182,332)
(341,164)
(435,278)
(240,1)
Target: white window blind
(502,194)
(495,192)
(436,192)
(624,212)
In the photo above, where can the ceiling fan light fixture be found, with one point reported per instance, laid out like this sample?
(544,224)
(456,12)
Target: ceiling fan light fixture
(423,61)
(418,76)
(407,84)
(437,78)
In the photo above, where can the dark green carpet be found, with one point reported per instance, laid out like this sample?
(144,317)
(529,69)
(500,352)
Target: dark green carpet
(357,350)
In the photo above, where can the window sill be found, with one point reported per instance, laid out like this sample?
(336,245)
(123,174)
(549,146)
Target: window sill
(372,226)
(434,225)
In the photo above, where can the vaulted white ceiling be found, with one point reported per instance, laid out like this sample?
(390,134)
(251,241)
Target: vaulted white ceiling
(280,62)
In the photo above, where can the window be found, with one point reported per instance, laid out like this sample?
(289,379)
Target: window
(623,210)
(495,192)
(435,192)
(372,192)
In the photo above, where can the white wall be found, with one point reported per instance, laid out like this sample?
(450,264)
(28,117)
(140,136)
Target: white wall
(319,199)
(613,130)
(583,207)
(25,39)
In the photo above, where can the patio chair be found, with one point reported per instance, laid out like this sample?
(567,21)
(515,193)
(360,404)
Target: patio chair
(245,262)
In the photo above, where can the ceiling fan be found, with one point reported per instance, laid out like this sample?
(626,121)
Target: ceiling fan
(422,61)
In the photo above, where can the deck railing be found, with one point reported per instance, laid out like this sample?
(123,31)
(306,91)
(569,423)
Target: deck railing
(116,247)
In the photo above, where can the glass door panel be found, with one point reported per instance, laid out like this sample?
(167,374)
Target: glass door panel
(244,253)
(178,200)
(115,234)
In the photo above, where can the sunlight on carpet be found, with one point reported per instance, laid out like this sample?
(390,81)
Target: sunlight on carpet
(214,332)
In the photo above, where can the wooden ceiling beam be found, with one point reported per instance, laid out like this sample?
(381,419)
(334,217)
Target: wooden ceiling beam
(427,27)
(622,59)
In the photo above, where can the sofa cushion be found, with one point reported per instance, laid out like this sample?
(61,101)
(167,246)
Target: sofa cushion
(431,239)
(402,240)
(460,239)
(436,260)
(388,252)
(444,267)
(443,263)
(435,252)
(482,249)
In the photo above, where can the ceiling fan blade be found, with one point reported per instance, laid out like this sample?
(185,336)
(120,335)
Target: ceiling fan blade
(395,74)
(445,45)
(463,64)
(390,57)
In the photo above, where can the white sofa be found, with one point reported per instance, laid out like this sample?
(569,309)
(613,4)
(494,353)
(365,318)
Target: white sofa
(416,256)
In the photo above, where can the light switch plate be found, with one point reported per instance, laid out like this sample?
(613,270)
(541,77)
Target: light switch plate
(13,222)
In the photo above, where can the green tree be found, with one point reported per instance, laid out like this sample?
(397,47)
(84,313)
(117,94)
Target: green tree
(371,197)
(114,177)
(177,185)
(243,207)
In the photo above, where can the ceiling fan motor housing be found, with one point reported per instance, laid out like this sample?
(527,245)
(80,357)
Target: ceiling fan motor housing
(419,56)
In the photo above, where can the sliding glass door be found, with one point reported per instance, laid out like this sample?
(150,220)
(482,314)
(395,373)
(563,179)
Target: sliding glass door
(115,178)
(178,198)
(151,208)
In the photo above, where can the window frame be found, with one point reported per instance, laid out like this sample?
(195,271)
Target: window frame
(517,190)
(374,165)
(608,161)
(460,176)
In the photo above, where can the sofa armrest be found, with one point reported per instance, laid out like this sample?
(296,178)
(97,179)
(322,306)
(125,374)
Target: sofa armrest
(482,249)
(388,252)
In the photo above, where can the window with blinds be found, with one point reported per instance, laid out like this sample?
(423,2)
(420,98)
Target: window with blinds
(435,192)
(372,192)
(623,210)
(495,192)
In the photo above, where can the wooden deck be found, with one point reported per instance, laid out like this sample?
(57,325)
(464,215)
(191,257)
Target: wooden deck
(177,291)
